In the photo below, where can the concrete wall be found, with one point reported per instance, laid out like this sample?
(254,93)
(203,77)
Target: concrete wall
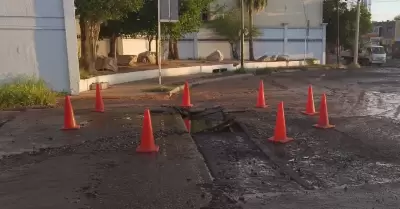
(273,41)
(397,31)
(38,38)
(293,12)
(125,46)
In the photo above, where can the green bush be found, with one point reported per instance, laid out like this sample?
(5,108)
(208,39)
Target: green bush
(84,74)
(26,92)
(311,61)
(240,71)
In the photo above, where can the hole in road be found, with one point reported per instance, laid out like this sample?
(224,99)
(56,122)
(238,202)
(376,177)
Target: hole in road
(238,165)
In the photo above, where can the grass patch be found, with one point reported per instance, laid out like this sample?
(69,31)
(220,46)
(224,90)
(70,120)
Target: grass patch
(84,74)
(26,92)
(265,71)
(240,71)
(270,70)
(159,89)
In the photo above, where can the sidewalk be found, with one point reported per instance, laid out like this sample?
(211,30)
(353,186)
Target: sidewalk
(132,90)
(135,94)
(97,166)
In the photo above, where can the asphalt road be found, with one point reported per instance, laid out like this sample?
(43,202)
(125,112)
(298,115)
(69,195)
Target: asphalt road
(354,165)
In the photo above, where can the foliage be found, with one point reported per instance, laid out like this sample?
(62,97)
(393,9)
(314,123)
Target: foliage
(142,22)
(347,18)
(397,17)
(101,10)
(26,92)
(189,18)
(228,25)
(92,13)
(83,74)
(253,6)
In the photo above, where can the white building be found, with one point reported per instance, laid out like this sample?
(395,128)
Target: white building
(284,31)
(38,38)
(368,4)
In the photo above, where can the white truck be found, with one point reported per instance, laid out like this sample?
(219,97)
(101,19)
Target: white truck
(368,55)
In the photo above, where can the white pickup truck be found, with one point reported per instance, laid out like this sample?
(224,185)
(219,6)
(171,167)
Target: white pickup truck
(369,55)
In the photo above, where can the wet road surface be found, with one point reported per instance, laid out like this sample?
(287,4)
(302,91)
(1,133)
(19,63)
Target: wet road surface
(355,165)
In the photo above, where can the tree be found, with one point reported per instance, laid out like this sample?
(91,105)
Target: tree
(253,6)
(92,13)
(397,17)
(111,29)
(347,18)
(228,25)
(140,23)
(190,20)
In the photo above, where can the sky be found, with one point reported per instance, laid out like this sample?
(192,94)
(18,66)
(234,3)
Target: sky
(383,10)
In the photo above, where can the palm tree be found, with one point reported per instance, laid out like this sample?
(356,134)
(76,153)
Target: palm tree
(253,6)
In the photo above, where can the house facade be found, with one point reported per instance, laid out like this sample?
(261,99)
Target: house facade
(288,27)
(386,33)
(368,4)
(38,39)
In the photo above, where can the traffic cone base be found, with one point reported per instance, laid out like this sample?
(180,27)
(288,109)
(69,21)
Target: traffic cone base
(71,128)
(142,149)
(309,113)
(187,105)
(323,127)
(281,141)
(261,106)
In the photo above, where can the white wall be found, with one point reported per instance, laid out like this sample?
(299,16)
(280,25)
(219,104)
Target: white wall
(36,40)
(125,46)
(293,12)
(136,46)
(273,41)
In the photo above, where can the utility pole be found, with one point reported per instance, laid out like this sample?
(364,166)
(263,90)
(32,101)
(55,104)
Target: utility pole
(338,34)
(242,36)
(159,42)
(357,34)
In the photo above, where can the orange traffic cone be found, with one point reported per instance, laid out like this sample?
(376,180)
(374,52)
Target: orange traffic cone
(261,97)
(69,118)
(280,127)
(147,143)
(186,96)
(99,100)
(187,124)
(323,121)
(310,108)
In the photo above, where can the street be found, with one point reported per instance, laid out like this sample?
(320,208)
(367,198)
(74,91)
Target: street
(226,161)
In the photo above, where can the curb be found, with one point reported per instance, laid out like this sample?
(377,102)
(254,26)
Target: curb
(180,88)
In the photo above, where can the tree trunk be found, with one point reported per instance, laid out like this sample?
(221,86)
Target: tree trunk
(158,50)
(251,47)
(92,29)
(150,40)
(113,46)
(170,49)
(83,37)
(176,51)
(234,50)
